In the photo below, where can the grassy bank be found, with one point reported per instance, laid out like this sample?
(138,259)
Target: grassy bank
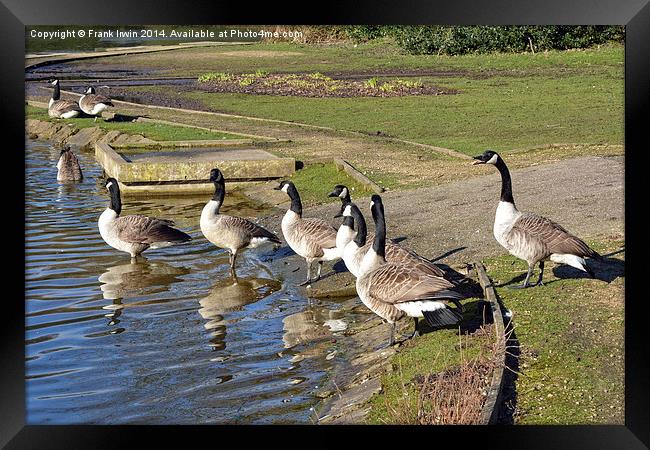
(155,131)
(505,101)
(313,190)
(570,334)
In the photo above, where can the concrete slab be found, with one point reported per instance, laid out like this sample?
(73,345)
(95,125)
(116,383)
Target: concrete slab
(186,170)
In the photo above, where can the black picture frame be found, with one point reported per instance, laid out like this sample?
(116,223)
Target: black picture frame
(634,14)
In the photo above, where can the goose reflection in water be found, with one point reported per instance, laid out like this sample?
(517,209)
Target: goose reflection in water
(140,278)
(228,295)
(311,325)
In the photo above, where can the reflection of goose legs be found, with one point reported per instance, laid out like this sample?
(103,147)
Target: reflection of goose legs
(232,259)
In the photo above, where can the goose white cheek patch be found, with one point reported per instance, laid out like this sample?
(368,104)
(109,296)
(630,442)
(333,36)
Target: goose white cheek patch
(285,188)
(109,184)
(493,160)
(344,193)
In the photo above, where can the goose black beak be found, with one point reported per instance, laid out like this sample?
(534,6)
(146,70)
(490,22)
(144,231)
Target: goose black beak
(478,160)
(338,215)
(332,194)
(277,188)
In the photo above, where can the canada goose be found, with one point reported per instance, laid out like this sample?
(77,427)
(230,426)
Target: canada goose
(58,108)
(312,238)
(93,104)
(393,290)
(356,248)
(529,236)
(135,233)
(232,233)
(68,166)
(341,191)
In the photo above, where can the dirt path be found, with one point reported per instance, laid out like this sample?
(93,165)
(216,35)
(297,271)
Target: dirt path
(585,195)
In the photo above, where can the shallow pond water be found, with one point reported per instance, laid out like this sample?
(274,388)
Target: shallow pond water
(170,338)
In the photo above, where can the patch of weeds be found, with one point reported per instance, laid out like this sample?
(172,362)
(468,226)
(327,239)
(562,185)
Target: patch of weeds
(214,76)
(372,82)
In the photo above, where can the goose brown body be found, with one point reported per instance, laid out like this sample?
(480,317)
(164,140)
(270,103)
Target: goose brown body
(532,237)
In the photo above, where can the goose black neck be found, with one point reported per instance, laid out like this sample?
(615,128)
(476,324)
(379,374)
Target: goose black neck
(362,229)
(506,182)
(219,192)
(379,244)
(56,94)
(296,204)
(348,221)
(116,201)
(345,200)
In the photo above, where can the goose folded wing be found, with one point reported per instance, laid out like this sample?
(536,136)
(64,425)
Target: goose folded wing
(395,253)
(252,229)
(147,230)
(63,106)
(101,99)
(394,283)
(318,232)
(554,236)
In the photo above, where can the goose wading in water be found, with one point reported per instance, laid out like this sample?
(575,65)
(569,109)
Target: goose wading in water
(312,238)
(61,109)
(68,166)
(395,290)
(529,236)
(135,233)
(93,104)
(229,232)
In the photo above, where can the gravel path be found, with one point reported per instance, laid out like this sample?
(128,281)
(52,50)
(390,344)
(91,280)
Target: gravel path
(585,195)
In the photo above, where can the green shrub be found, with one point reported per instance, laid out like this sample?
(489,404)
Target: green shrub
(457,40)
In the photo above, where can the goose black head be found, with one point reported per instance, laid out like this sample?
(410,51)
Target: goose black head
(216,176)
(376,204)
(111,184)
(488,157)
(90,90)
(284,186)
(64,150)
(114,190)
(54,82)
(342,192)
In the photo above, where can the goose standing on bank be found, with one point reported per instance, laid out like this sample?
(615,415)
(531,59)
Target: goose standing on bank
(355,249)
(529,236)
(135,233)
(93,104)
(232,233)
(68,166)
(312,238)
(61,109)
(393,290)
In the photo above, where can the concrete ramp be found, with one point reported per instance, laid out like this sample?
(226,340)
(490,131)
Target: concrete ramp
(150,170)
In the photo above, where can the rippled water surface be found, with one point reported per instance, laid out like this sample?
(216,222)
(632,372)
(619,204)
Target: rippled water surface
(170,338)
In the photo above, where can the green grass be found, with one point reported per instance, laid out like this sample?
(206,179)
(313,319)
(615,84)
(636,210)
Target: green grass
(571,337)
(155,131)
(346,57)
(506,101)
(309,182)
(430,353)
